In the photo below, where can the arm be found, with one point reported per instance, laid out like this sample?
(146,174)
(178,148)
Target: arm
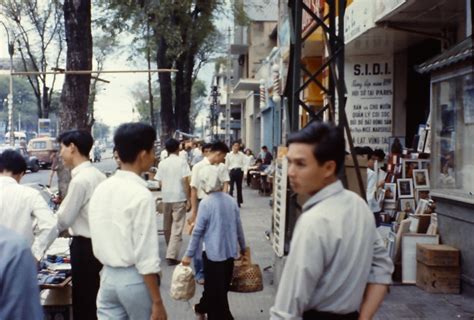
(71,205)
(198,232)
(158,309)
(226,187)
(373,297)
(194,205)
(240,232)
(47,225)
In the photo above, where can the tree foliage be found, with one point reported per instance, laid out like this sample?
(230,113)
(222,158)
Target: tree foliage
(38,29)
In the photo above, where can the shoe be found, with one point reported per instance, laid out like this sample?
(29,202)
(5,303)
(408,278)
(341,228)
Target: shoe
(199,316)
(200,281)
(173,262)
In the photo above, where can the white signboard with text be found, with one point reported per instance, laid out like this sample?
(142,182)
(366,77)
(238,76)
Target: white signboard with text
(384,8)
(369,107)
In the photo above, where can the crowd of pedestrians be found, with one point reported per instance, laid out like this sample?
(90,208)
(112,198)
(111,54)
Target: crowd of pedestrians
(335,269)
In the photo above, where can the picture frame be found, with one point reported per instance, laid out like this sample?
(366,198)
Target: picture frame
(408,166)
(422,206)
(405,188)
(407,205)
(423,133)
(409,241)
(390,192)
(422,194)
(421,179)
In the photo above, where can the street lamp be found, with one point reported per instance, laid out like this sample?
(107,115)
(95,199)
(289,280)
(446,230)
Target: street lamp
(10,95)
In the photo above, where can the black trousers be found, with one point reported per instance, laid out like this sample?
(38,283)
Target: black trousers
(85,270)
(217,277)
(236,177)
(317,315)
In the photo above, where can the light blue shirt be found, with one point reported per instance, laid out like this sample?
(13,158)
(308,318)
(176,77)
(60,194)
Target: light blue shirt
(19,291)
(218,224)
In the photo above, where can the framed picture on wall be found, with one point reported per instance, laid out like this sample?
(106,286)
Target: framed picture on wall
(421,179)
(405,188)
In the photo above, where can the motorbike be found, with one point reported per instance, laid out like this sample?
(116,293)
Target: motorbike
(54,198)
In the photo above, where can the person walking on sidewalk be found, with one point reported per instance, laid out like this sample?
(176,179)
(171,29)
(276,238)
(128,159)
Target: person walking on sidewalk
(337,267)
(219,226)
(215,157)
(22,209)
(124,232)
(235,162)
(73,214)
(174,175)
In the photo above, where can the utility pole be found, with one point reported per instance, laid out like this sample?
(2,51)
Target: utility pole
(227,105)
(10,95)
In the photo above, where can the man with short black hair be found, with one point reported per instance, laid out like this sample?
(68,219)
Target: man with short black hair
(337,266)
(73,214)
(22,207)
(265,156)
(235,163)
(124,232)
(174,174)
(375,181)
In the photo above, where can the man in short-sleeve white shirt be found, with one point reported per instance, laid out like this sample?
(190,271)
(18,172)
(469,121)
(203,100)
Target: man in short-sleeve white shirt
(173,174)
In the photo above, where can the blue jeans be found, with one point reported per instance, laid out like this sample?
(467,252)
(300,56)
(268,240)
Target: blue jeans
(198,264)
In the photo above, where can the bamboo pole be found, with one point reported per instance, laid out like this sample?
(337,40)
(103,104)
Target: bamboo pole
(81,72)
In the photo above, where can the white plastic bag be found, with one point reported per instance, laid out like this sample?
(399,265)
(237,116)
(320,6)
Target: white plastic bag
(182,283)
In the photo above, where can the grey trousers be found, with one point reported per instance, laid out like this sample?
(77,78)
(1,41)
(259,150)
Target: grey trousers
(123,295)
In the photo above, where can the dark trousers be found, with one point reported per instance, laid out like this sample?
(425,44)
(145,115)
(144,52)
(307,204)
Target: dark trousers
(236,177)
(316,315)
(85,270)
(217,277)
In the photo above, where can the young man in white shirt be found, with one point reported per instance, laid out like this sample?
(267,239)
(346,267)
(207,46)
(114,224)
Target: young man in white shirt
(235,163)
(337,267)
(22,207)
(124,232)
(73,214)
(215,157)
(174,174)
(375,181)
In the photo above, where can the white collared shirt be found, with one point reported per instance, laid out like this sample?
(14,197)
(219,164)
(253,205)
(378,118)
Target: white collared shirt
(196,179)
(335,251)
(20,206)
(73,212)
(171,173)
(123,223)
(235,160)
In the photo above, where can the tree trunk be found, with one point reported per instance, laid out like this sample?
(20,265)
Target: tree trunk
(179,106)
(187,90)
(45,100)
(75,92)
(168,125)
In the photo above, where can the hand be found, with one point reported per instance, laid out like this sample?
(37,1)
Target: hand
(191,219)
(158,311)
(186,261)
(188,206)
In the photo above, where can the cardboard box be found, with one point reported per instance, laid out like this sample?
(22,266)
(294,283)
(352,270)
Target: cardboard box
(351,174)
(439,255)
(436,279)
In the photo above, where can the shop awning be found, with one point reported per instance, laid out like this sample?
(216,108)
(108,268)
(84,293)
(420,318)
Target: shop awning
(247,85)
(460,52)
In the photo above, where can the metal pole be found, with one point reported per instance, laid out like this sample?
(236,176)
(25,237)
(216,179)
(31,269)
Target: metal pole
(39,73)
(10,94)
(296,13)
(227,105)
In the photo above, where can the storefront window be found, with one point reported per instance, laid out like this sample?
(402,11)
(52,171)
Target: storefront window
(453,133)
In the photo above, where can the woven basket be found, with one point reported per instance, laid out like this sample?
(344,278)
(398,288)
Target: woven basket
(246,278)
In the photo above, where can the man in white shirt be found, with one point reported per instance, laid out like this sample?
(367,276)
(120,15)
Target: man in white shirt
(22,207)
(174,174)
(215,157)
(235,163)
(337,267)
(375,181)
(73,214)
(124,232)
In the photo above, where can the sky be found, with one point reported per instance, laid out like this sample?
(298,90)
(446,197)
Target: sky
(115,101)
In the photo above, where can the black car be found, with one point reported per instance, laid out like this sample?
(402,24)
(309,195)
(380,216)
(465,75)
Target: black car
(32,162)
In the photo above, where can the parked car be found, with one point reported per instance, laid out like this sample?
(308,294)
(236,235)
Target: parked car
(43,149)
(32,162)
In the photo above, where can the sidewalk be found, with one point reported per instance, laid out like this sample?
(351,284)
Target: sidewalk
(403,301)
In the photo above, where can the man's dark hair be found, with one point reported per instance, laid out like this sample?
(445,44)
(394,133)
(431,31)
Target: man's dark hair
(206,146)
(132,138)
(327,140)
(219,146)
(172,145)
(265,148)
(12,161)
(379,154)
(81,139)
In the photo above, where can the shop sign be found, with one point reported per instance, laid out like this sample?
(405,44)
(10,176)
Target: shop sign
(386,7)
(369,106)
(44,127)
(358,19)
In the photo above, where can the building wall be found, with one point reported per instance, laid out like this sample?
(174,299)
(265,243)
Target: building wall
(260,44)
